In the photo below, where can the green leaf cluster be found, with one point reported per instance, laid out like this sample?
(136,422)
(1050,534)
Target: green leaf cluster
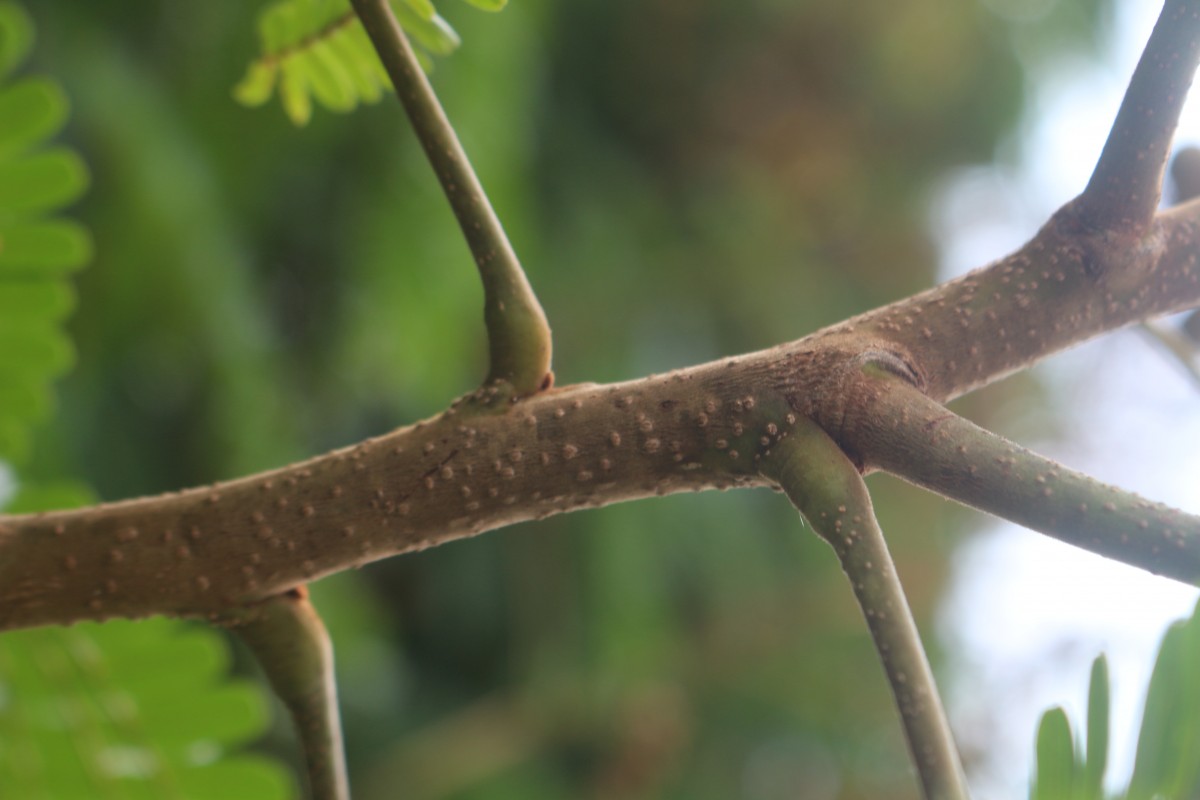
(1065,770)
(123,710)
(317,49)
(128,710)
(37,250)
(1166,765)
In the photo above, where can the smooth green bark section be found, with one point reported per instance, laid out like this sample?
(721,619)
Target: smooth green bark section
(915,438)
(829,491)
(518,334)
(291,644)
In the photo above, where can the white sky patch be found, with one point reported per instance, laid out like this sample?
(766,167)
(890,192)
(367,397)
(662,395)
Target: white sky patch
(1026,615)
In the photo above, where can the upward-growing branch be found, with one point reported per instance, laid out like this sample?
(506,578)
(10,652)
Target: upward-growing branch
(519,344)
(1125,187)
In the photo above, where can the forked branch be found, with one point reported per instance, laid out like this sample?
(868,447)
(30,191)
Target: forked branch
(518,335)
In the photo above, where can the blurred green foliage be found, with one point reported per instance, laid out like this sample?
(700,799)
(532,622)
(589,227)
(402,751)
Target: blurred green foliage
(123,710)
(1063,770)
(683,181)
(37,250)
(316,49)
(1072,768)
(129,710)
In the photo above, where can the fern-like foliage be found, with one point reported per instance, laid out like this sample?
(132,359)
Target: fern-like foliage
(317,49)
(128,710)
(1166,765)
(122,710)
(37,250)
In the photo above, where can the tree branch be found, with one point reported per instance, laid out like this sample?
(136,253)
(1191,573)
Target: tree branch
(828,490)
(1125,187)
(518,335)
(204,550)
(907,434)
(286,635)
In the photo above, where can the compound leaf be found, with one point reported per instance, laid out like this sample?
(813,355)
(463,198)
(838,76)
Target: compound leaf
(317,50)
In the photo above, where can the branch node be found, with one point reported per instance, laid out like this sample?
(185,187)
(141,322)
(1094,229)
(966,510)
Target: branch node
(519,343)
(286,635)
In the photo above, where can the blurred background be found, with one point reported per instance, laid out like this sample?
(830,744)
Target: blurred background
(684,179)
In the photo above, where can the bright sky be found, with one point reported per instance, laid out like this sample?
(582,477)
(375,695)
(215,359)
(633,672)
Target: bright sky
(1027,615)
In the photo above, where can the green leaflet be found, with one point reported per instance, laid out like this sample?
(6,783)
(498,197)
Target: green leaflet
(317,50)
(16,37)
(1166,764)
(489,5)
(1095,760)
(36,250)
(42,249)
(40,183)
(1055,776)
(128,710)
(121,710)
(31,109)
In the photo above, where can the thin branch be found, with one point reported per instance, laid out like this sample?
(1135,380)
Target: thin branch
(828,490)
(518,334)
(289,640)
(910,435)
(1124,190)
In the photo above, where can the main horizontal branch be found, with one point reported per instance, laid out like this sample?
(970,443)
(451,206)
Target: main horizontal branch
(203,550)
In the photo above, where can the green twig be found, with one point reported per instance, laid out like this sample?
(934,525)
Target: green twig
(518,334)
(829,491)
(290,642)
(906,433)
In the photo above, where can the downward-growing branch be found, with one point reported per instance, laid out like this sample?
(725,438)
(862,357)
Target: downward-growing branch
(518,335)
(828,490)
(290,642)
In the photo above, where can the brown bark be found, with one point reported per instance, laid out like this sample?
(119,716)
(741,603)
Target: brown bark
(470,470)
(494,461)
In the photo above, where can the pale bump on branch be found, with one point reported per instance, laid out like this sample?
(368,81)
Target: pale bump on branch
(519,342)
